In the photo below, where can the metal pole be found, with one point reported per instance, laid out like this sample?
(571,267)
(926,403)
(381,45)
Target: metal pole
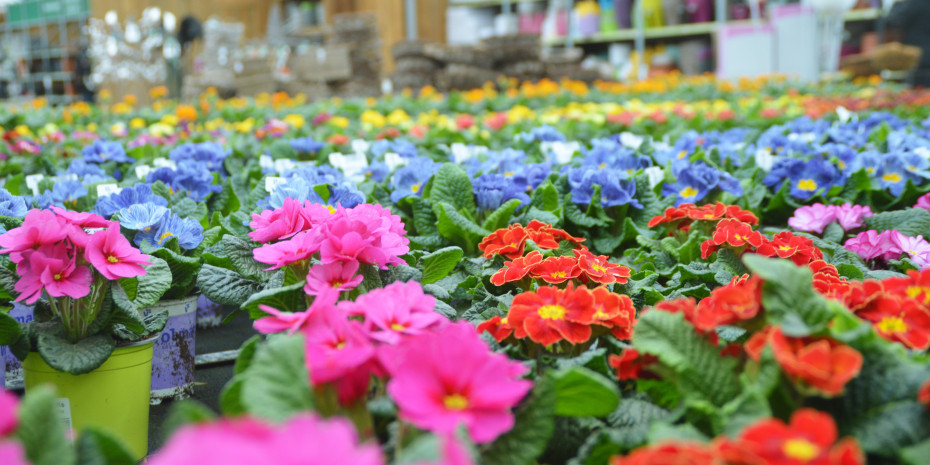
(639,20)
(410,17)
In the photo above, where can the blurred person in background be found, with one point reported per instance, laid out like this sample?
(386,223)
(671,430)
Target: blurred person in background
(912,19)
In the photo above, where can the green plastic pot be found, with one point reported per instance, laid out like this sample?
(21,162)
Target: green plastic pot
(114,397)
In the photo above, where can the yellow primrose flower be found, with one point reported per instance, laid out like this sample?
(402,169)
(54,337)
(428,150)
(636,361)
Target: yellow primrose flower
(118,128)
(92,127)
(398,117)
(215,124)
(245,126)
(23,130)
(295,121)
(373,118)
(339,121)
(161,130)
(170,119)
(137,123)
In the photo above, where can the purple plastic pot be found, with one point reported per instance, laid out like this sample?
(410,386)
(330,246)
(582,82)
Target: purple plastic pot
(173,360)
(209,313)
(23,314)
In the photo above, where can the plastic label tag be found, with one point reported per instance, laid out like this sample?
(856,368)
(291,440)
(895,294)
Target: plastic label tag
(142,171)
(63,405)
(271,183)
(32,182)
(107,189)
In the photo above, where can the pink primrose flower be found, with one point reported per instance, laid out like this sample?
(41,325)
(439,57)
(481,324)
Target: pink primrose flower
(40,227)
(280,254)
(284,222)
(51,268)
(813,218)
(292,322)
(12,453)
(339,275)
(84,220)
(303,440)
(397,310)
(923,202)
(916,248)
(852,216)
(8,415)
(366,233)
(113,256)
(872,244)
(450,377)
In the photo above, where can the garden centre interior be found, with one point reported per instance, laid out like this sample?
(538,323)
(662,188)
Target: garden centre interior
(453,232)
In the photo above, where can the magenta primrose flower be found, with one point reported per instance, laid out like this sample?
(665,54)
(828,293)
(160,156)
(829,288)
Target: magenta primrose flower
(11,453)
(366,233)
(303,440)
(291,322)
(51,268)
(450,377)
(872,244)
(813,218)
(280,254)
(113,256)
(923,202)
(39,227)
(398,310)
(916,248)
(339,276)
(84,220)
(8,415)
(284,222)
(851,216)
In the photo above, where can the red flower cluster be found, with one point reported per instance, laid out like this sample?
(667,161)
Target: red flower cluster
(898,308)
(551,315)
(511,241)
(584,266)
(740,300)
(686,213)
(822,363)
(809,439)
(630,364)
(743,238)
(923,394)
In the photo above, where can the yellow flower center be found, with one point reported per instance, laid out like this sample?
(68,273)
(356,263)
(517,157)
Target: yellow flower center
(164,236)
(112,259)
(784,248)
(892,324)
(551,312)
(336,283)
(57,277)
(331,208)
(870,170)
(602,166)
(688,192)
(508,174)
(455,402)
(558,274)
(807,185)
(682,154)
(891,177)
(340,345)
(416,187)
(398,327)
(171,191)
(915,291)
(599,268)
(801,449)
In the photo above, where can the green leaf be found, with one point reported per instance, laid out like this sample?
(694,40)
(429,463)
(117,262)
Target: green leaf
(834,232)
(239,253)
(185,412)
(746,409)
(578,217)
(77,358)
(916,454)
(226,287)
(438,264)
(183,272)
(533,427)
(459,229)
(246,354)
(700,371)
(424,220)
(581,392)
(452,185)
(9,329)
(40,429)
(224,201)
(290,298)
(97,447)
(501,217)
(149,288)
(789,297)
(910,222)
(545,197)
(186,207)
(231,397)
(277,384)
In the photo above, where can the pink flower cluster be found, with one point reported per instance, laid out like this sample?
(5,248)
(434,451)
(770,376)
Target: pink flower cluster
(303,440)
(345,239)
(11,452)
(816,217)
(442,374)
(890,245)
(54,253)
(923,202)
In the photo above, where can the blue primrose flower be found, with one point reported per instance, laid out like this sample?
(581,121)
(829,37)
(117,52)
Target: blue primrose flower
(82,168)
(103,151)
(190,177)
(376,171)
(306,145)
(188,232)
(616,188)
(492,190)
(12,205)
(129,196)
(67,192)
(296,188)
(409,180)
(696,180)
(209,154)
(805,177)
(530,176)
(141,217)
(544,133)
(897,169)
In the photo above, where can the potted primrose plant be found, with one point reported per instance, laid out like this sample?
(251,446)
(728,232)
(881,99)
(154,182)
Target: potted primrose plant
(89,337)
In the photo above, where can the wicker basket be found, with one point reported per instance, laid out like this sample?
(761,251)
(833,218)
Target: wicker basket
(896,57)
(858,65)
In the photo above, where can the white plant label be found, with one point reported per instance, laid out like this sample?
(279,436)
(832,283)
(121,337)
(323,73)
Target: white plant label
(164,163)
(142,171)
(32,182)
(271,183)
(107,189)
(63,405)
